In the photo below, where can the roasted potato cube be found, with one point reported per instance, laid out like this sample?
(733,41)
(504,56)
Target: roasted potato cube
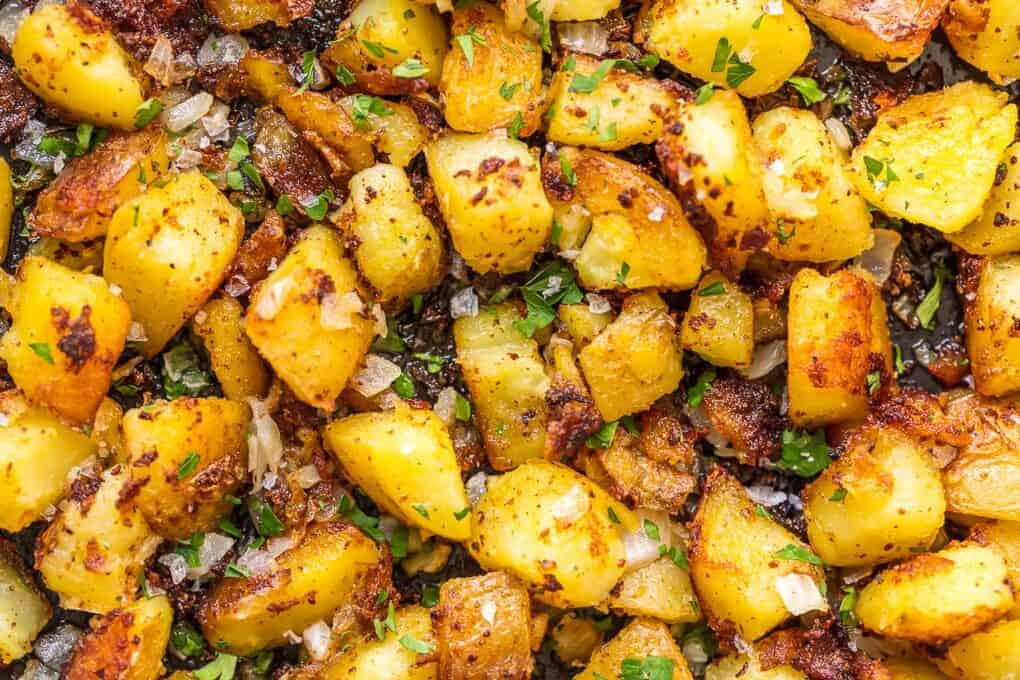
(126,643)
(983,33)
(621,110)
(635,360)
(481,68)
(238,367)
(911,668)
(660,590)
(642,641)
(719,324)
(880,501)
(837,338)
(169,250)
(1005,537)
(734,562)
(748,667)
(730,42)
(24,609)
(37,452)
(991,653)
(397,248)
(574,638)
(394,131)
(6,207)
(936,597)
(404,460)
(997,230)
(314,288)
(810,196)
(990,314)
(910,164)
(239,15)
(506,377)
(91,555)
(79,204)
(550,526)
(490,193)
(482,625)
(334,562)
(85,256)
(68,332)
(74,63)
(581,11)
(895,33)
(582,323)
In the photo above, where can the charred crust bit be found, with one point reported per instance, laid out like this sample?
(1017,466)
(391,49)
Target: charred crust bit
(83,492)
(280,607)
(968,275)
(920,414)
(477,198)
(754,239)
(489,166)
(697,321)
(950,364)
(821,652)
(323,285)
(130,489)
(17,104)
(1002,220)
(1001,170)
(429,115)
(79,338)
(365,600)
(145,458)
(555,183)
(572,419)
(550,584)
(746,413)
(266,246)
(94,559)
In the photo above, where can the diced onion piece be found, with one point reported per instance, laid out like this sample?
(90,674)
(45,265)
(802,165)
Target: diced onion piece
(840,135)
(176,564)
(222,50)
(214,547)
(11,16)
(476,486)
(570,507)
(800,594)
(278,545)
(597,304)
(639,548)
(446,405)
(590,37)
(878,259)
(375,376)
(55,647)
(256,562)
(464,303)
(307,476)
(317,638)
(265,446)
(335,311)
(160,64)
(765,495)
(188,112)
(766,357)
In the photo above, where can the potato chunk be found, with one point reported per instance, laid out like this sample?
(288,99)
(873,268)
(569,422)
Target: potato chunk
(644,641)
(73,62)
(126,643)
(238,367)
(92,553)
(506,376)
(734,562)
(490,193)
(991,314)
(719,324)
(550,526)
(240,15)
(635,360)
(729,42)
(396,247)
(933,158)
(997,230)
(935,597)
(660,590)
(983,33)
(482,625)
(748,667)
(169,250)
(991,653)
(880,501)
(315,288)
(333,563)
(6,206)
(68,332)
(817,212)
(24,609)
(37,452)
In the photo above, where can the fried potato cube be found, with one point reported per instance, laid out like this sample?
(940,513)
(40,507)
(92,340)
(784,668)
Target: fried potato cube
(932,159)
(238,367)
(748,666)
(6,206)
(660,590)
(911,668)
(990,315)
(997,230)
(239,15)
(641,640)
(1005,537)
(24,609)
(719,324)
(983,33)
(582,323)
(990,653)
(126,643)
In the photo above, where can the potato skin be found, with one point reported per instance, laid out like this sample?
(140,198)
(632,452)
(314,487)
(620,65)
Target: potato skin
(640,638)
(79,204)
(333,563)
(720,328)
(238,367)
(570,556)
(24,609)
(997,230)
(660,590)
(239,15)
(125,644)
(69,330)
(985,655)
(71,61)
(989,313)
(983,32)
(404,459)
(6,207)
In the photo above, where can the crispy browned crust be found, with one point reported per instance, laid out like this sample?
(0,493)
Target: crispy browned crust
(287,161)
(105,651)
(572,418)
(911,20)
(17,104)
(923,416)
(267,245)
(747,414)
(821,652)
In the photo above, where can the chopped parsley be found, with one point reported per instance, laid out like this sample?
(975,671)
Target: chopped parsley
(413,644)
(713,289)
(880,172)
(846,606)
(319,206)
(514,131)
(874,381)
(236,571)
(726,60)
(649,668)
(421,510)
(42,350)
(403,386)
(604,437)
(536,14)
(804,454)
(799,554)
(388,624)
(808,89)
(621,276)
(363,106)
(262,516)
(377,49)
(462,513)
(569,176)
(188,465)
(187,640)
(930,304)
(466,43)
(222,667)
(429,595)
(838,495)
(147,112)
(651,529)
(675,554)
(704,94)
(554,284)
(182,374)
(307,70)
(344,76)
(410,68)
(507,90)
(461,408)
(368,524)
(696,394)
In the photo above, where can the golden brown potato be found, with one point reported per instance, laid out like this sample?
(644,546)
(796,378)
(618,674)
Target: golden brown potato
(126,644)
(990,313)
(68,332)
(719,324)
(79,204)
(749,667)
(644,641)
(332,563)
(635,360)
(935,597)
(660,590)
(911,668)
(86,256)
(574,638)
(997,230)
(106,432)
(398,133)
(239,15)
(315,287)
(238,367)
(482,626)
(1005,537)
(582,324)
(983,32)
(987,655)
(24,609)
(6,207)
(909,165)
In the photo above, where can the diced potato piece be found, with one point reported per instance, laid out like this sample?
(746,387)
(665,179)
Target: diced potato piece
(733,560)
(983,33)
(935,597)
(404,460)
(997,230)
(127,643)
(635,360)
(239,15)
(315,288)
(80,202)
(490,193)
(880,501)
(238,367)
(1005,537)
(748,667)
(835,341)
(582,323)
(762,53)
(73,62)
(333,563)
(623,109)
(709,155)
(24,609)
(991,313)
(482,625)
(396,247)
(398,133)
(933,158)
(991,654)
(895,33)
(911,668)
(660,590)
(6,207)
(169,250)
(93,552)
(812,201)
(506,376)
(640,237)
(550,526)
(69,330)
(37,452)
(641,639)
(582,11)
(86,256)
(719,324)
(476,77)
(574,638)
